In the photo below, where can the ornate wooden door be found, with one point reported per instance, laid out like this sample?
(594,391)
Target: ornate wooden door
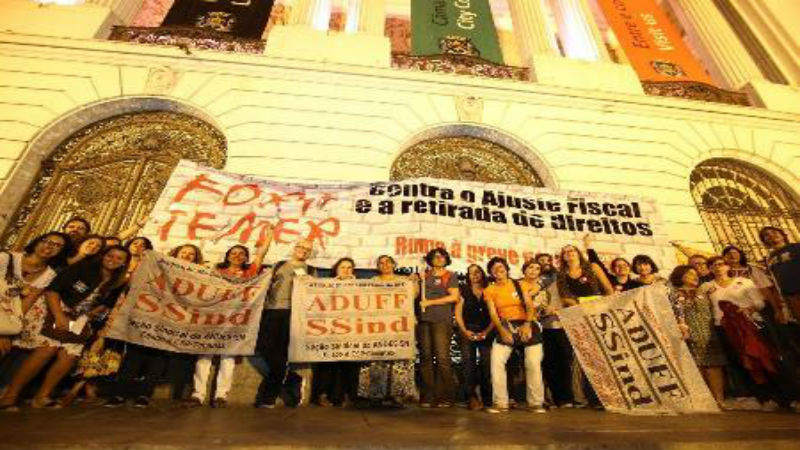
(112,172)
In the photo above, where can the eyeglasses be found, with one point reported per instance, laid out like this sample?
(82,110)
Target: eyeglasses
(718,263)
(58,244)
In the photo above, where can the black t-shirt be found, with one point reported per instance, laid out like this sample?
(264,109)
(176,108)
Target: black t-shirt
(784,264)
(474,311)
(78,282)
(626,286)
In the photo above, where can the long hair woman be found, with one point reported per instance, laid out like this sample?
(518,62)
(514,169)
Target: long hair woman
(80,293)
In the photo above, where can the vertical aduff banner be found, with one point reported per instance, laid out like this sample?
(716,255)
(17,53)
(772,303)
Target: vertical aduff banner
(460,27)
(651,42)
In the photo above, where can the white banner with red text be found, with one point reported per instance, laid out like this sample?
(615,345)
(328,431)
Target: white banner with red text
(187,308)
(352,320)
(631,349)
(474,221)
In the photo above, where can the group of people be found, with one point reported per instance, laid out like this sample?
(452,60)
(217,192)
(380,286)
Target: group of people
(58,296)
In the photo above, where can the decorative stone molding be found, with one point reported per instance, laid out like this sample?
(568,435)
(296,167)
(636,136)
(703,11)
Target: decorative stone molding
(695,91)
(161,80)
(469,108)
(461,65)
(187,38)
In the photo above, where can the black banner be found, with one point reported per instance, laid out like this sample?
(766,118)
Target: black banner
(244,18)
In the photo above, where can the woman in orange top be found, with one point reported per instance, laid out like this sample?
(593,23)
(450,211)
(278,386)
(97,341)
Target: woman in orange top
(514,315)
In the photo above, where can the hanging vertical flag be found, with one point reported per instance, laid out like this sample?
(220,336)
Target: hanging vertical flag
(651,42)
(243,18)
(455,27)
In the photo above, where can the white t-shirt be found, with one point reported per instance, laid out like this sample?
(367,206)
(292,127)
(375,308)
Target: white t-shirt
(41,282)
(742,292)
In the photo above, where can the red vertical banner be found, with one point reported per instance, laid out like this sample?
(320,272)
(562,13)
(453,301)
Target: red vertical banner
(651,42)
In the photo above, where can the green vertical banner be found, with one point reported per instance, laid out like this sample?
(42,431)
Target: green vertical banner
(454,27)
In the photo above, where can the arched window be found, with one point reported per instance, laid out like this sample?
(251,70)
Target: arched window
(464,158)
(736,199)
(112,172)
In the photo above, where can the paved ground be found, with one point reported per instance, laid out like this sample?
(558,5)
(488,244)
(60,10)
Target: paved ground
(164,426)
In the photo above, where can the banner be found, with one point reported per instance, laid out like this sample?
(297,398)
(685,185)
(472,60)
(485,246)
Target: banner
(243,18)
(186,308)
(405,219)
(460,27)
(352,320)
(631,350)
(653,45)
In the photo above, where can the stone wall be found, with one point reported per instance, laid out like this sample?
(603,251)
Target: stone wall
(292,120)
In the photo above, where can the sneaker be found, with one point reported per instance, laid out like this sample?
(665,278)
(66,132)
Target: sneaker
(444,405)
(323,401)
(795,406)
(114,402)
(425,405)
(141,402)
(496,410)
(770,406)
(538,409)
(567,405)
(192,402)
(219,403)
(265,405)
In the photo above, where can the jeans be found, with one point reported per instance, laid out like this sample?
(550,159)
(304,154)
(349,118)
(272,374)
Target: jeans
(273,346)
(477,371)
(557,365)
(533,374)
(141,370)
(434,342)
(202,370)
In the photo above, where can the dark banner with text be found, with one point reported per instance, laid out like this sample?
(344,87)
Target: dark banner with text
(460,27)
(243,18)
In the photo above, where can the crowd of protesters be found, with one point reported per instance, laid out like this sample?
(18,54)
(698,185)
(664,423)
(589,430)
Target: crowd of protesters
(58,295)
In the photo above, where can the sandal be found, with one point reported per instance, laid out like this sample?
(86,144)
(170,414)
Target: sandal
(46,403)
(11,407)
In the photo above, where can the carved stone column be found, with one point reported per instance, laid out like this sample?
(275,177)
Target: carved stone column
(579,33)
(723,53)
(311,13)
(372,17)
(530,29)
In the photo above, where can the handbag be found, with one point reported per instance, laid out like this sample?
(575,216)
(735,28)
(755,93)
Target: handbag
(80,331)
(514,326)
(10,302)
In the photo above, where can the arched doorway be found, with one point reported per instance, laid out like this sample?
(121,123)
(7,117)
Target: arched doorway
(112,172)
(465,158)
(736,199)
